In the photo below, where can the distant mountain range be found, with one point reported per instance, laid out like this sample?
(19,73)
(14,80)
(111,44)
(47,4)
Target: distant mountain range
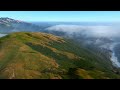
(8,25)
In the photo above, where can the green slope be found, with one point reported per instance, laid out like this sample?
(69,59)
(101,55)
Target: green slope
(26,55)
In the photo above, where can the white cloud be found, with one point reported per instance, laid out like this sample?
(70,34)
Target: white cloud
(107,31)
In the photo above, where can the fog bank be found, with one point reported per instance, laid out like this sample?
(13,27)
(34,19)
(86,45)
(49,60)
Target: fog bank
(93,31)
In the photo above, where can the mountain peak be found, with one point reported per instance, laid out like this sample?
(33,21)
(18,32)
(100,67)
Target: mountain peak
(7,20)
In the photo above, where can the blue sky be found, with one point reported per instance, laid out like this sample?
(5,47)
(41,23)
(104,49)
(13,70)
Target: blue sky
(68,16)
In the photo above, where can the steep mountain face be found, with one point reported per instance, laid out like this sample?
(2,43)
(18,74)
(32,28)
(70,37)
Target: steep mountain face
(8,25)
(25,55)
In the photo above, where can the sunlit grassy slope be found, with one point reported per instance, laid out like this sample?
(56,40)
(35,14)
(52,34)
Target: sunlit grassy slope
(26,55)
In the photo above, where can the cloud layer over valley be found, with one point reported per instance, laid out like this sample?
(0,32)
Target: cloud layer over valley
(95,31)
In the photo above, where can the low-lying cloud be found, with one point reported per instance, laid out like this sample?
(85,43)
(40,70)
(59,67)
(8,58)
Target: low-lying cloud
(101,30)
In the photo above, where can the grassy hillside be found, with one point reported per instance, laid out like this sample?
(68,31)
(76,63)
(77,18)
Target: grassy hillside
(26,55)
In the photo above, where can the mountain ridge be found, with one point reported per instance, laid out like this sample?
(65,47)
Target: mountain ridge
(33,55)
